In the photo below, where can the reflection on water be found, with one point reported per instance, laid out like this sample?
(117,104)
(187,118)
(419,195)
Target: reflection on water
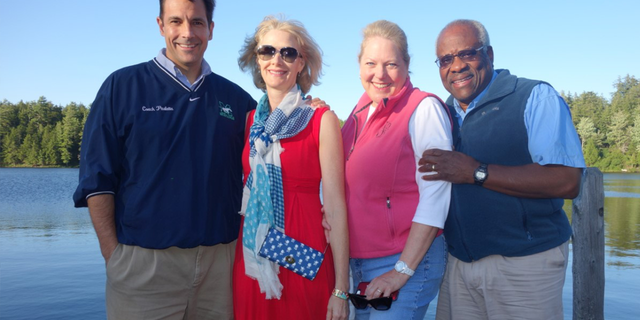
(50,263)
(40,199)
(622,219)
(622,185)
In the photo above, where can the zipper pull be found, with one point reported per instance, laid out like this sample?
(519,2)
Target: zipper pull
(388,203)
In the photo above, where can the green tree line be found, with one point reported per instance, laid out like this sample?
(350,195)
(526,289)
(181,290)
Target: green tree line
(609,129)
(39,133)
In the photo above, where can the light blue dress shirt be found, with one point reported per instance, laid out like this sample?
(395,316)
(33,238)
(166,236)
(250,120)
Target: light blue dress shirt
(171,67)
(552,136)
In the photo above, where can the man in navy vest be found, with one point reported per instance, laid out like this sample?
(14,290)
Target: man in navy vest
(517,156)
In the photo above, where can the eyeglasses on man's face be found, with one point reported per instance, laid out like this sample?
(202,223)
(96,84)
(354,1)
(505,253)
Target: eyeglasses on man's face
(288,54)
(464,55)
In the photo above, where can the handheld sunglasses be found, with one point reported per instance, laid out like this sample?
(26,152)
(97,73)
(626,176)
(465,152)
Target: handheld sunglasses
(288,54)
(380,304)
(360,301)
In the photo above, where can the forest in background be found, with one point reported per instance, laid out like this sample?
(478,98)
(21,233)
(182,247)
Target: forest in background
(609,129)
(41,134)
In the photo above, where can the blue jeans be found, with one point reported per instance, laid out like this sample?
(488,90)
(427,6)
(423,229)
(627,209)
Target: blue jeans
(414,297)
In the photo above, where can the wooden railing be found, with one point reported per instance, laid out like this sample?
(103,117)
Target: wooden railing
(588,247)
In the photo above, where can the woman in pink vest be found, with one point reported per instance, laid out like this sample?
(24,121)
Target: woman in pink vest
(395,218)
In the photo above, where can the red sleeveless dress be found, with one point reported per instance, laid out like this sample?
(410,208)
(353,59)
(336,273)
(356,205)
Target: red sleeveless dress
(301,298)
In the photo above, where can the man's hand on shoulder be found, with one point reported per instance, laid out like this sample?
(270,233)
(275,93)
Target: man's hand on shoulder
(316,103)
(452,166)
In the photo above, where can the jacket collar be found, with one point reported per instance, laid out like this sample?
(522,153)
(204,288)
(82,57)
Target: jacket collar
(503,85)
(386,102)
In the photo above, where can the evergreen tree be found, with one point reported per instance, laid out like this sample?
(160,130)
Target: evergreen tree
(635,131)
(589,104)
(618,132)
(30,150)
(50,151)
(591,153)
(8,120)
(588,132)
(11,147)
(627,95)
(71,131)
(616,159)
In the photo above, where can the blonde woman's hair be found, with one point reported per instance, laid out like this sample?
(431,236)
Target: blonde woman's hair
(387,30)
(309,50)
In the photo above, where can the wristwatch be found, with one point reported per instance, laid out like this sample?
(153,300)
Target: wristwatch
(481,174)
(403,268)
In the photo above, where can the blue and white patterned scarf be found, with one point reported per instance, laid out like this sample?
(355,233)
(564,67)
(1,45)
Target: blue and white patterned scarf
(263,199)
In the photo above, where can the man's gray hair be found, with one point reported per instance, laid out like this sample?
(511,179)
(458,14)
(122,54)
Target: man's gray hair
(483,35)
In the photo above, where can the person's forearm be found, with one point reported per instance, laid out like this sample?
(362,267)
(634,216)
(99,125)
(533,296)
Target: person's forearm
(418,243)
(102,211)
(526,181)
(336,215)
(340,249)
(535,181)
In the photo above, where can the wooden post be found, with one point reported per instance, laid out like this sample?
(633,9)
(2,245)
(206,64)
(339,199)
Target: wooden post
(588,247)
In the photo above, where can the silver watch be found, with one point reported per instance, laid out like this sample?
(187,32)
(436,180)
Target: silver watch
(403,268)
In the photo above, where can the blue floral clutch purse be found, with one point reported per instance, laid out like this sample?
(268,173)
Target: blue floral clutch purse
(291,254)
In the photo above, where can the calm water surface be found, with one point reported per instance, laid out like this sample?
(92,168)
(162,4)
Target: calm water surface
(51,267)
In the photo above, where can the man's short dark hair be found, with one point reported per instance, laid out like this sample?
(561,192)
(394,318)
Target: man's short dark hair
(208,4)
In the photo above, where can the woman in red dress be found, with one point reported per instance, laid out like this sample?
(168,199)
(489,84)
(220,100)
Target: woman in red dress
(290,149)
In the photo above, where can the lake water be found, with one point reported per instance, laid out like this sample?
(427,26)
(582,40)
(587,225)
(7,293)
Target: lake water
(51,267)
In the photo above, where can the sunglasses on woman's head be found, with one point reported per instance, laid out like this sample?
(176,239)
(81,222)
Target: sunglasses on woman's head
(288,54)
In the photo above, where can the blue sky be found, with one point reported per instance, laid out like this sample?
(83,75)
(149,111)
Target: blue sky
(64,49)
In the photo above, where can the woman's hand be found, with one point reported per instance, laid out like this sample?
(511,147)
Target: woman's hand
(338,309)
(385,284)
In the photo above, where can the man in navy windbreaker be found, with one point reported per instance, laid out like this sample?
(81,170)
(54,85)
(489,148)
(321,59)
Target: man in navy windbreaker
(160,171)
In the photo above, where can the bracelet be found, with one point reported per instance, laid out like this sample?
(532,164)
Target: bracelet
(340,294)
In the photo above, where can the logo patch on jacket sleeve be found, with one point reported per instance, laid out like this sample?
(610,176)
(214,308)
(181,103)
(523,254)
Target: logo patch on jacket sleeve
(225,110)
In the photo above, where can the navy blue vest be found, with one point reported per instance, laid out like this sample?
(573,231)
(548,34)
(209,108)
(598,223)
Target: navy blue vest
(483,222)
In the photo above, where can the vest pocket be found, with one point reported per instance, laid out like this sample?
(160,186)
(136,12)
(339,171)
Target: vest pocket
(391,221)
(525,222)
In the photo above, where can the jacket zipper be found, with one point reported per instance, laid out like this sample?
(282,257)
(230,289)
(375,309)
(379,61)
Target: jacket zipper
(355,136)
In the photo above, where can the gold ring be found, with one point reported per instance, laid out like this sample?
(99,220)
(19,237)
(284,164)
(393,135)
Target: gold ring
(378,290)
